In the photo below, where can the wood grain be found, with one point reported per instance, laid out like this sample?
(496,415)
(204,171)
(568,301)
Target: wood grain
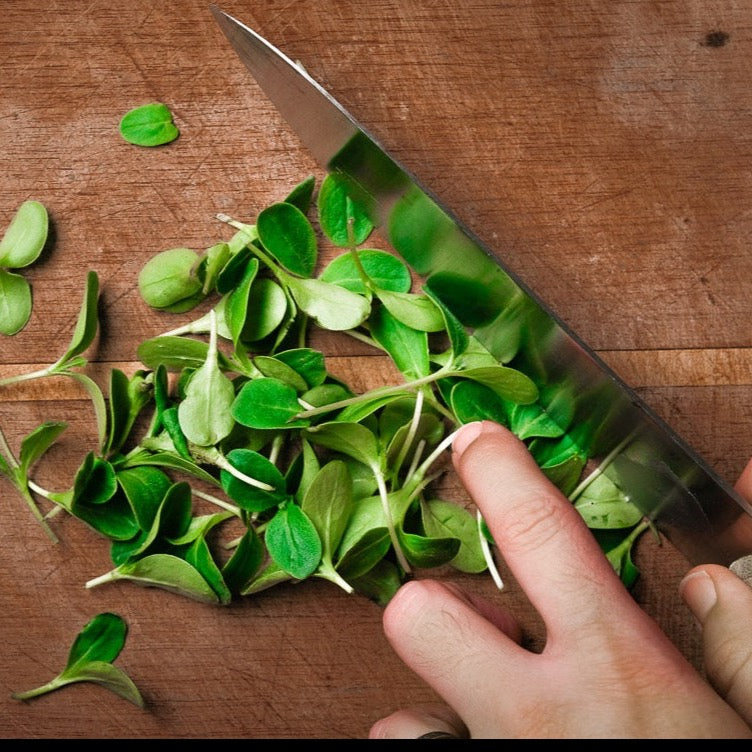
(601,148)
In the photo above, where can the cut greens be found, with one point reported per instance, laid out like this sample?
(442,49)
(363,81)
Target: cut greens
(235,412)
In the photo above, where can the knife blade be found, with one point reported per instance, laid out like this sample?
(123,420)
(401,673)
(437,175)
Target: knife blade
(669,482)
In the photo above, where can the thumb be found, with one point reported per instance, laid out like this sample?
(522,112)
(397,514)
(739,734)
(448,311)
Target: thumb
(722,604)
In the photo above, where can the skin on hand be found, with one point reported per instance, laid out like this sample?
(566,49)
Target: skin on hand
(606,671)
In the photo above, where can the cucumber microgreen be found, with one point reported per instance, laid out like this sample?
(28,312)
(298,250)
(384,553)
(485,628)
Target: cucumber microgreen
(149,125)
(91,658)
(309,478)
(19,247)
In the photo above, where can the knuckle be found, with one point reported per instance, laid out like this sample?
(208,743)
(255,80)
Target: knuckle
(536,520)
(730,665)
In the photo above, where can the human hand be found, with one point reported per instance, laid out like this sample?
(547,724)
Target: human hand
(588,681)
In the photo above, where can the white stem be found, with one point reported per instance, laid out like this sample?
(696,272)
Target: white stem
(487,555)
(219,502)
(390,521)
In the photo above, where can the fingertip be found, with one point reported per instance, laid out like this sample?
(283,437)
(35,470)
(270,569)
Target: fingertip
(699,593)
(408,602)
(468,433)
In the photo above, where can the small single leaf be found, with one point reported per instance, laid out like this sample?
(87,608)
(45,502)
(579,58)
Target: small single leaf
(292,541)
(331,306)
(302,194)
(414,310)
(443,519)
(36,443)
(101,639)
(164,571)
(267,403)
(15,302)
(25,237)
(343,220)
(407,347)
(204,413)
(287,234)
(471,401)
(258,467)
(384,270)
(169,277)
(352,439)
(87,322)
(328,504)
(603,505)
(244,562)
(149,125)
(267,309)
(508,383)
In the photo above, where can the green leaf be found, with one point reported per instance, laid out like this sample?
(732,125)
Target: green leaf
(471,401)
(127,398)
(258,467)
(331,306)
(604,506)
(267,403)
(25,237)
(309,363)
(236,302)
(443,519)
(379,583)
(176,353)
(352,439)
(508,383)
(337,211)
(15,302)
(87,322)
(407,347)
(36,443)
(328,504)
(426,552)
(204,413)
(267,309)
(164,571)
(274,368)
(365,540)
(385,271)
(458,336)
(292,541)
(414,310)
(287,234)
(302,194)
(101,639)
(90,660)
(529,421)
(244,562)
(170,277)
(149,125)
(144,488)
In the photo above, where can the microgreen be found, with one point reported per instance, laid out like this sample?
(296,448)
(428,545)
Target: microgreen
(149,125)
(91,658)
(235,409)
(20,246)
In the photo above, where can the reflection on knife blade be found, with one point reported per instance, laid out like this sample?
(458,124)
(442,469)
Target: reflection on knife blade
(659,472)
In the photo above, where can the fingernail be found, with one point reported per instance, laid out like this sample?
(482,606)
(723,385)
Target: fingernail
(698,591)
(742,568)
(469,433)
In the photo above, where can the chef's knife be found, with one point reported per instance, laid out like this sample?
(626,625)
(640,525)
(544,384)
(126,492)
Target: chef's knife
(659,472)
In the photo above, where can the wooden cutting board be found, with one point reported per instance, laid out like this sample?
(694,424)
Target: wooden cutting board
(603,148)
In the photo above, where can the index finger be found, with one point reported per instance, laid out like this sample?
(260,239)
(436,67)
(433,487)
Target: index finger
(544,541)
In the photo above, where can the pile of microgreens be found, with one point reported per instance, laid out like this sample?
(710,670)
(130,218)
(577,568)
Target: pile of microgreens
(308,478)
